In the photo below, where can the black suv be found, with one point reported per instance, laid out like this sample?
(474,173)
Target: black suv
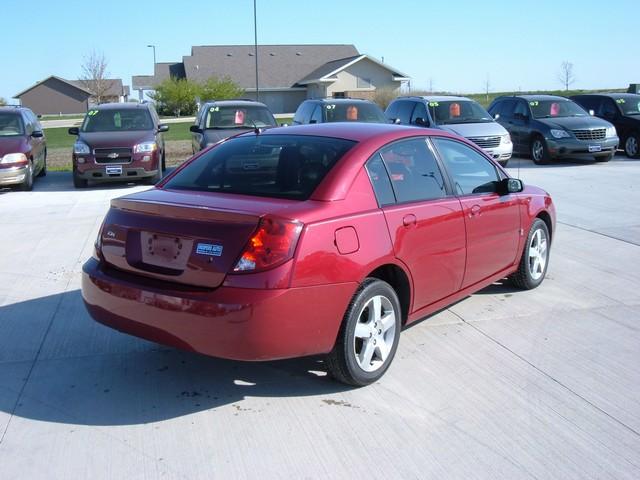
(549,127)
(324,110)
(223,118)
(23,149)
(119,141)
(621,109)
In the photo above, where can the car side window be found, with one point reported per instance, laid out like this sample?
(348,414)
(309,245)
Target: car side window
(303,113)
(404,111)
(470,171)
(414,171)
(508,107)
(420,112)
(521,111)
(496,108)
(607,108)
(316,116)
(392,111)
(380,181)
(28,123)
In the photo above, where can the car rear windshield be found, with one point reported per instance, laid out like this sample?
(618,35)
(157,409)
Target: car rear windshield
(113,120)
(11,125)
(629,105)
(556,108)
(353,112)
(279,166)
(458,111)
(239,117)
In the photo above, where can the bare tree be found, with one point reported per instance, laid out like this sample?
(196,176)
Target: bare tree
(430,84)
(94,76)
(2,101)
(566,75)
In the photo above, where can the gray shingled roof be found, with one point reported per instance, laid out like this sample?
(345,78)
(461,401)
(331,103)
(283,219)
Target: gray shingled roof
(60,79)
(279,66)
(116,88)
(337,65)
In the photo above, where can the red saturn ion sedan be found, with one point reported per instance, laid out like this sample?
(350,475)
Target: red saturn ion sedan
(314,239)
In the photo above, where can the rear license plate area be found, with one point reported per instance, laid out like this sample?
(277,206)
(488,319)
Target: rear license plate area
(113,169)
(165,251)
(595,148)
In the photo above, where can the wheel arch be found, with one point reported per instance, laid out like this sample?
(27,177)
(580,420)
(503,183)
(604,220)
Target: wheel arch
(400,281)
(546,218)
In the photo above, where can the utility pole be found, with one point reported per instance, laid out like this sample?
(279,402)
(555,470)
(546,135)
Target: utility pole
(154,57)
(255,53)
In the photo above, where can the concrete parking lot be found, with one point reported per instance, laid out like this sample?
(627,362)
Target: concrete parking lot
(505,384)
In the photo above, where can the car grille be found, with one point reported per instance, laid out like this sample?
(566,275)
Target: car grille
(592,134)
(112,155)
(486,142)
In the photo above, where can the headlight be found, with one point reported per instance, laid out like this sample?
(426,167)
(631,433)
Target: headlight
(146,147)
(14,158)
(559,133)
(611,131)
(81,148)
(506,139)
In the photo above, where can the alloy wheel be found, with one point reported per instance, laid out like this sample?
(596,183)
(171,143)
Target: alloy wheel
(538,254)
(631,146)
(374,333)
(537,150)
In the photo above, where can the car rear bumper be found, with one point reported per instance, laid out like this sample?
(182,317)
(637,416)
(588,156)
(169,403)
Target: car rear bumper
(568,148)
(227,322)
(12,175)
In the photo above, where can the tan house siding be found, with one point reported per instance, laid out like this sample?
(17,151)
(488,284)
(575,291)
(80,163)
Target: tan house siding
(361,80)
(52,97)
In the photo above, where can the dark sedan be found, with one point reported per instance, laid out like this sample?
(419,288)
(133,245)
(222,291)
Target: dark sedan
(225,118)
(549,127)
(621,109)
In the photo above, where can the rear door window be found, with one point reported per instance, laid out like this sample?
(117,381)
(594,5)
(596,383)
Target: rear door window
(303,114)
(420,111)
(316,116)
(278,166)
(405,108)
(380,180)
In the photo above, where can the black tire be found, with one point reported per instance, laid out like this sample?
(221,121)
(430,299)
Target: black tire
(27,183)
(342,362)
(79,182)
(539,151)
(524,277)
(43,170)
(632,145)
(164,161)
(605,158)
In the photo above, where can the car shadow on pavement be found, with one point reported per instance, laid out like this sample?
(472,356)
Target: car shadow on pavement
(63,182)
(526,162)
(85,373)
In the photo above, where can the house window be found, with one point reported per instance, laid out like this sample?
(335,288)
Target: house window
(363,82)
(338,95)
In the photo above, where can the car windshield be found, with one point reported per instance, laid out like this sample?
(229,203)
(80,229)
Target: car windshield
(115,120)
(239,117)
(629,105)
(279,166)
(354,112)
(556,108)
(458,111)
(11,125)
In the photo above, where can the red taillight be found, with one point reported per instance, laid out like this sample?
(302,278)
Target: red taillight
(272,244)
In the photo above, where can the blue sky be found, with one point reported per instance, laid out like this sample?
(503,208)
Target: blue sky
(455,44)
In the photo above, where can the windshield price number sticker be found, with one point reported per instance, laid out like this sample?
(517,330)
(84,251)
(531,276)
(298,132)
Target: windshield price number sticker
(434,104)
(214,109)
(535,103)
(620,100)
(91,113)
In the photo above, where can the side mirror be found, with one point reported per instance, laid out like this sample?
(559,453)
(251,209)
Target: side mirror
(510,185)
(284,124)
(496,116)
(163,128)
(195,129)
(74,131)
(37,134)
(592,113)
(313,121)
(421,122)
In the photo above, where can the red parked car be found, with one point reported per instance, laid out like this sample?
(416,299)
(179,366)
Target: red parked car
(315,239)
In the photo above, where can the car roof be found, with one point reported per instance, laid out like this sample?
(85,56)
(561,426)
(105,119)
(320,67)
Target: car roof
(12,108)
(339,100)
(356,131)
(436,98)
(235,103)
(539,97)
(121,106)
(608,94)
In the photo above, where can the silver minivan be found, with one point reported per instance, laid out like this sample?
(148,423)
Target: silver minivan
(459,115)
